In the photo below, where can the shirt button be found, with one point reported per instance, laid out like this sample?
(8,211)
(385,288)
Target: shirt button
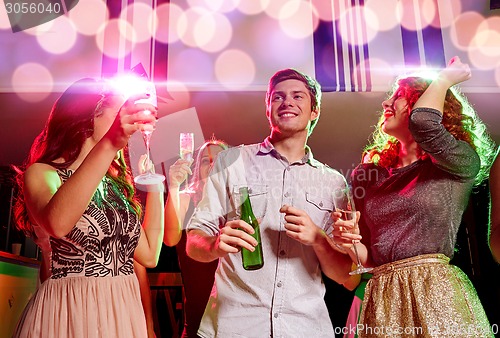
(279,284)
(275,315)
(282,252)
(287,194)
(287,168)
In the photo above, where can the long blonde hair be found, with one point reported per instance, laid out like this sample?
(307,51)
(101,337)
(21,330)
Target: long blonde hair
(195,183)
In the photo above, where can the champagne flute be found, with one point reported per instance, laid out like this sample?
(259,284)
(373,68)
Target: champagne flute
(186,150)
(149,177)
(344,204)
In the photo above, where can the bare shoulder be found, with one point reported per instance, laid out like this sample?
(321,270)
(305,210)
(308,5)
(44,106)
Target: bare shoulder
(40,175)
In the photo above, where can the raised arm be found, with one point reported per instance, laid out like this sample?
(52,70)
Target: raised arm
(177,202)
(427,124)
(434,96)
(57,208)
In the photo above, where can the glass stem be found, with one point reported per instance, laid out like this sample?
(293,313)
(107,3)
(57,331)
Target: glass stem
(357,255)
(147,138)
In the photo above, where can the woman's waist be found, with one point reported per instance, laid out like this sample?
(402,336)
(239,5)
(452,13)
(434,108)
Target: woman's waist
(89,267)
(414,261)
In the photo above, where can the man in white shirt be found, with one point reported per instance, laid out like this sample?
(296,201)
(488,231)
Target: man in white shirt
(292,195)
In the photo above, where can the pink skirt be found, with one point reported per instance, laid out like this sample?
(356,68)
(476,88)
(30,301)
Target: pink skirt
(84,307)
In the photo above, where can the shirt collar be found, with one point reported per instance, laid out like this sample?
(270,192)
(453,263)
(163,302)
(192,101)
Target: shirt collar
(266,147)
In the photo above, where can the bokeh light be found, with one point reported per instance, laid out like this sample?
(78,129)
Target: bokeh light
(32,82)
(213,32)
(109,38)
(267,42)
(351,22)
(253,7)
(487,36)
(40,29)
(221,6)
(89,15)
(275,9)
(463,30)
(296,20)
(4,19)
(188,26)
(234,69)
(484,50)
(61,38)
(139,15)
(428,12)
(323,10)
(416,15)
(167,31)
(384,14)
(447,17)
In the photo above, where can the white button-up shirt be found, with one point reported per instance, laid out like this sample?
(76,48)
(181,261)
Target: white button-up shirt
(285,297)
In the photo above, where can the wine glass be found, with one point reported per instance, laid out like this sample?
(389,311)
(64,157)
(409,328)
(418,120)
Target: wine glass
(149,177)
(344,204)
(186,150)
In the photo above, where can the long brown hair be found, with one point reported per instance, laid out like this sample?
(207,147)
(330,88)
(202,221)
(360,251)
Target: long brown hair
(70,123)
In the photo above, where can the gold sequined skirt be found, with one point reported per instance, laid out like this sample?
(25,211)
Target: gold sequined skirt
(422,296)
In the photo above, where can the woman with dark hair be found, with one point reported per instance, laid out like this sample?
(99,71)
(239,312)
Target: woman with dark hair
(76,200)
(412,188)
(197,277)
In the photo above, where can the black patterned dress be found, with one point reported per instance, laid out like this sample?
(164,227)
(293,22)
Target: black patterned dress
(92,290)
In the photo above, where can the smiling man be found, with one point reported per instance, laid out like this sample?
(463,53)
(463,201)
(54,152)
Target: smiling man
(292,195)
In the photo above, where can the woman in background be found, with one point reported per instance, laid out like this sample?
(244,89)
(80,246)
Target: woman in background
(197,277)
(76,199)
(413,187)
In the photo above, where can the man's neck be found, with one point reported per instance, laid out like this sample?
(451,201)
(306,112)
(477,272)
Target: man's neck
(292,147)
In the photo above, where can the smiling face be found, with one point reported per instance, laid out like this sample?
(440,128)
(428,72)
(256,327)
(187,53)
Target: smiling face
(396,115)
(207,159)
(289,109)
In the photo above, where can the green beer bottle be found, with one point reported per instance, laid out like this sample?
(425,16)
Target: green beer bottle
(251,260)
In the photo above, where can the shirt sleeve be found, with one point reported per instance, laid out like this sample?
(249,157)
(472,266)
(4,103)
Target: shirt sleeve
(211,212)
(454,156)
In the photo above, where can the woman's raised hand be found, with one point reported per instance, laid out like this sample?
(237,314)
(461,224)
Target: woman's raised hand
(455,72)
(129,118)
(178,173)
